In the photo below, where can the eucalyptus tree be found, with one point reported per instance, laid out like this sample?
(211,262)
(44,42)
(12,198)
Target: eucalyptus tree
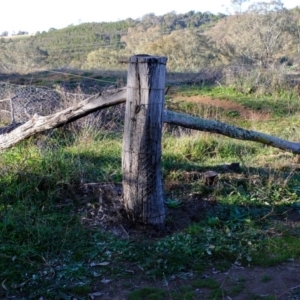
(261,35)
(21,56)
(186,49)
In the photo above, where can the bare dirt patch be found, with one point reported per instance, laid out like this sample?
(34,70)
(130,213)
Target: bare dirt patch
(280,282)
(104,208)
(227,105)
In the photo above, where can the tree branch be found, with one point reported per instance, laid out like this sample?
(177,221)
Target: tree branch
(229,130)
(37,124)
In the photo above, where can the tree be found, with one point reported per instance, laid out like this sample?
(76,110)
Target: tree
(21,56)
(138,36)
(187,50)
(237,5)
(104,59)
(259,36)
(21,32)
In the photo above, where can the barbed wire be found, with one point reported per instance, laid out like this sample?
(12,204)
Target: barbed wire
(63,54)
(16,86)
(173,78)
(64,73)
(81,76)
(105,45)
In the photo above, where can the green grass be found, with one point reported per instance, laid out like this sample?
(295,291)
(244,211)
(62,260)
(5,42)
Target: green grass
(209,283)
(183,292)
(266,278)
(147,293)
(47,249)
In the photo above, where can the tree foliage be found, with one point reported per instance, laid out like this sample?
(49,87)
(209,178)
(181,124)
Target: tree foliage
(21,56)
(264,34)
(104,59)
(186,50)
(80,46)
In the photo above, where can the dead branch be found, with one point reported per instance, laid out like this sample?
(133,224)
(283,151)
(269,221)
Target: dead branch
(37,124)
(229,130)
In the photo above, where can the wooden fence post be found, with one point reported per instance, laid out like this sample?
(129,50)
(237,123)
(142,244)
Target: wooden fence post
(141,157)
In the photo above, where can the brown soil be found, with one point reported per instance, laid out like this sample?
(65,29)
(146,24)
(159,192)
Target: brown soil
(281,282)
(228,105)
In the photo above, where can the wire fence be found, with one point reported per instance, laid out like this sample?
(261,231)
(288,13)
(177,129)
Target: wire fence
(19,103)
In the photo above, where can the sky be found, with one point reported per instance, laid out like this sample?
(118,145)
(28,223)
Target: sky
(38,15)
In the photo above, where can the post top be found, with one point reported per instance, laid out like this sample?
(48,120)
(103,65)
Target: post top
(146,58)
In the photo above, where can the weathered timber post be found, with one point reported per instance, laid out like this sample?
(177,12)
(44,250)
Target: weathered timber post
(141,157)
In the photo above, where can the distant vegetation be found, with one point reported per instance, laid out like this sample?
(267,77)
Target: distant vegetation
(100,45)
(258,47)
(264,34)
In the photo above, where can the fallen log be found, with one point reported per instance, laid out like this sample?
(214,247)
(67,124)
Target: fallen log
(213,126)
(37,124)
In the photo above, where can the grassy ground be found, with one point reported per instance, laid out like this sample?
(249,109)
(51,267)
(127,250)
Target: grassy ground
(54,245)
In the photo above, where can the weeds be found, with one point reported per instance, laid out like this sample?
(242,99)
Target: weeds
(173,203)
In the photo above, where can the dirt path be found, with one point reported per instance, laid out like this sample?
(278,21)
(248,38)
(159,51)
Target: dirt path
(244,112)
(233,282)
(280,282)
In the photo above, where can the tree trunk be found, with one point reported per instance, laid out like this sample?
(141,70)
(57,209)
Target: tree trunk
(141,157)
